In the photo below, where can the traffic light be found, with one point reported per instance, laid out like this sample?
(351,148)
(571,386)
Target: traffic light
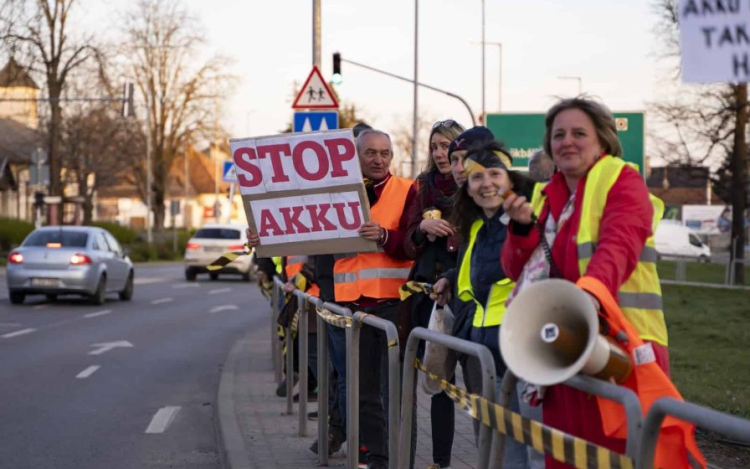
(337,68)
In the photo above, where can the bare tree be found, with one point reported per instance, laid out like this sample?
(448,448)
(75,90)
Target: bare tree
(402,143)
(705,121)
(39,31)
(181,101)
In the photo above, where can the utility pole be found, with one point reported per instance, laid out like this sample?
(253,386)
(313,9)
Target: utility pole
(149,145)
(316,33)
(415,123)
(483,62)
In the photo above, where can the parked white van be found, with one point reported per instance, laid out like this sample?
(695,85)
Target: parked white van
(674,239)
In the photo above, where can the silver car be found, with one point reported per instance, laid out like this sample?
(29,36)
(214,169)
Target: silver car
(58,260)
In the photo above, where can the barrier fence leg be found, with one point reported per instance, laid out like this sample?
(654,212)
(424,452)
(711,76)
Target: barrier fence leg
(394,394)
(498,439)
(322,392)
(289,370)
(407,403)
(275,342)
(352,395)
(303,364)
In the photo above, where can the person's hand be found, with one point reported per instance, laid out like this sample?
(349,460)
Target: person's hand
(436,228)
(441,292)
(518,209)
(371,231)
(288,287)
(253,240)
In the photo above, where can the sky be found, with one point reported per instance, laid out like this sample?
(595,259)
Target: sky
(608,44)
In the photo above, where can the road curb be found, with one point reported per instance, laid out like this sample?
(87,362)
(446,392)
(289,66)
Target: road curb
(232,444)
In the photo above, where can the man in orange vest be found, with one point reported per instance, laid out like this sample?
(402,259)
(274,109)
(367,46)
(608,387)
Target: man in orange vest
(369,282)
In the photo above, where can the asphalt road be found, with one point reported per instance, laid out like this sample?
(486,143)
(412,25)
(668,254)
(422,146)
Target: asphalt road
(124,385)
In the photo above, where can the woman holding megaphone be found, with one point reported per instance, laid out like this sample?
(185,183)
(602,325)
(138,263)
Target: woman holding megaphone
(594,225)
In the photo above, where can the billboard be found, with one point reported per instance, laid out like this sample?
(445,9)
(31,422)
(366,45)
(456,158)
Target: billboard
(522,134)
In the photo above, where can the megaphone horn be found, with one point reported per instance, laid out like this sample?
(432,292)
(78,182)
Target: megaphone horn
(550,333)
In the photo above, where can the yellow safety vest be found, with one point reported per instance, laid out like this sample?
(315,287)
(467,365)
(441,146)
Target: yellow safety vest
(277,262)
(640,296)
(486,315)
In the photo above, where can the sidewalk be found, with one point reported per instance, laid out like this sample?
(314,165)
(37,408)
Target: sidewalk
(256,433)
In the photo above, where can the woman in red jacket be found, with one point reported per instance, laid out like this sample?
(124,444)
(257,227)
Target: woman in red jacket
(597,218)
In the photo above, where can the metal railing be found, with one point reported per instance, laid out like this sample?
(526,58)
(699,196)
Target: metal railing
(709,419)
(487,368)
(685,274)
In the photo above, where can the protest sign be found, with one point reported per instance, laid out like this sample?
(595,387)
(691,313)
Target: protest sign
(303,193)
(715,40)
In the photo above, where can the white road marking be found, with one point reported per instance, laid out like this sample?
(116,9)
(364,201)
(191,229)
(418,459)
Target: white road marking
(162,419)
(97,314)
(162,301)
(223,308)
(17,333)
(147,280)
(216,291)
(107,346)
(40,306)
(88,372)
(186,285)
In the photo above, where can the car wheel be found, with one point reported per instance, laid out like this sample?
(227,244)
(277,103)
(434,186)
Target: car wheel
(51,297)
(100,295)
(17,297)
(127,293)
(190,275)
(213,276)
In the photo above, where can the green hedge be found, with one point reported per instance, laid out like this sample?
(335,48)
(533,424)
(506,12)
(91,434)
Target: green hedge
(122,234)
(13,232)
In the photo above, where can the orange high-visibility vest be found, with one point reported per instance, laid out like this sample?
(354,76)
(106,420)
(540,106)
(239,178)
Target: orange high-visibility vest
(676,447)
(375,274)
(294,266)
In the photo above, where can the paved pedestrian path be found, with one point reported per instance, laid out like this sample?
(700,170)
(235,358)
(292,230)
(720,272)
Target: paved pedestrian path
(257,432)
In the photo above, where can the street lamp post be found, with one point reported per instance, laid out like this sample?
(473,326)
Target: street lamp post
(577,79)
(500,72)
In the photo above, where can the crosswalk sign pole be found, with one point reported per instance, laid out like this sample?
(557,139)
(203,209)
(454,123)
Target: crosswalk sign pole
(231,200)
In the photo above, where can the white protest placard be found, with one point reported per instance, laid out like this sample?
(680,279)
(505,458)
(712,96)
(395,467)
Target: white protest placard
(303,193)
(715,40)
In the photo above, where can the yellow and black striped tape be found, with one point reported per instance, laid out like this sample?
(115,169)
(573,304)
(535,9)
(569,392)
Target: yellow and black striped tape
(411,287)
(560,446)
(333,318)
(225,259)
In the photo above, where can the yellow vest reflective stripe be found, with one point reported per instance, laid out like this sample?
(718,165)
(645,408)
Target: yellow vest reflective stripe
(640,296)
(494,312)
(277,262)
(375,274)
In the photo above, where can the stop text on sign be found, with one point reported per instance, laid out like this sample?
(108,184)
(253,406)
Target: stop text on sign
(295,162)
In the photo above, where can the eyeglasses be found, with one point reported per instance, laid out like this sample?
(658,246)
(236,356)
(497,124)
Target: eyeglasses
(448,123)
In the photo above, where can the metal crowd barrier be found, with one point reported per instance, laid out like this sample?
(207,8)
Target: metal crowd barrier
(487,366)
(276,293)
(703,417)
(642,435)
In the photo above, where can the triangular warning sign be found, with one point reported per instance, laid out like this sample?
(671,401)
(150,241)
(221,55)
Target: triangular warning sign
(315,93)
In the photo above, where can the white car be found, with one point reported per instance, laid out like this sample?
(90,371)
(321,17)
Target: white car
(209,243)
(674,239)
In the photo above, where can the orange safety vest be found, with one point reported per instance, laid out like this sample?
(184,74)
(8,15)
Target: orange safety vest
(294,266)
(375,274)
(676,447)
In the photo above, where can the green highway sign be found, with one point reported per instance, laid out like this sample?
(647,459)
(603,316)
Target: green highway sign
(523,133)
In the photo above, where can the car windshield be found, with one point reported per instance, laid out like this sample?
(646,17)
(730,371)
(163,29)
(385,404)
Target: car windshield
(57,238)
(217,233)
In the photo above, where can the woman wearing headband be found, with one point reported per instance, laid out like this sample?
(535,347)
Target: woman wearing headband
(478,281)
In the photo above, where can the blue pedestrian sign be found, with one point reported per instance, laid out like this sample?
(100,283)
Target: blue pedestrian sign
(312,121)
(228,174)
